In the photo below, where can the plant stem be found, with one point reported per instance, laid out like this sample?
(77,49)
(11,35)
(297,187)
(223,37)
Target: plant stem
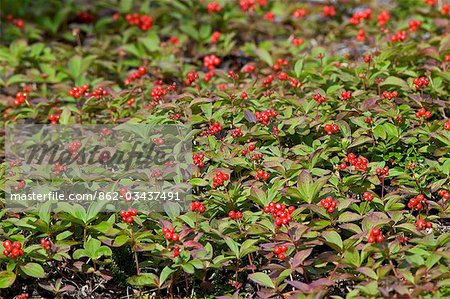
(133,248)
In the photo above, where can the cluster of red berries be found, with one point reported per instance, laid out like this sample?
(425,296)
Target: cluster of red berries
(158,141)
(176,251)
(124,193)
(358,16)
(279,63)
(423,224)
(127,215)
(105,132)
(417,203)
(361,36)
(368,196)
(414,25)
(246,5)
(331,128)
(144,22)
(250,148)
(420,82)
(269,16)
(197,206)
(12,250)
(283,76)
(382,172)
(222,86)
(170,234)
(211,61)
(447,125)
(158,92)
(99,93)
(368,120)
(84,17)
(256,156)
(20,185)
(213,7)
(359,163)
(136,75)
(328,11)
(248,68)
(157,173)
(445,9)
(430,2)
(46,244)
(19,23)
(215,36)
(345,95)
(73,147)
(399,36)
(444,194)
(20,98)
(319,99)
(265,116)
(294,83)
(212,130)
(329,204)
(54,117)
(299,13)
(23,296)
(383,18)
(375,236)
(220,178)
(389,95)
(297,41)
(175,116)
(268,80)
(279,251)
(77,92)
(59,168)
(236,133)
(235,215)
(261,175)
(281,214)
(422,112)
(190,78)
(198,159)
(131,101)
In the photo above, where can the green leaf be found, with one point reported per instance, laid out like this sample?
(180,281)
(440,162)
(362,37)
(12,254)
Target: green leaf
(188,268)
(7,279)
(144,279)
(189,219)
(298,67)
(368,272)
(172,209)
(125,5)
(120,240)
(391,80)
(199,182)
(232,245)
(262,279)
(333,239)
(165,273)
(151,42)
(349,217)
(264,55)
(33,270)
(74,67)
(248,247)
